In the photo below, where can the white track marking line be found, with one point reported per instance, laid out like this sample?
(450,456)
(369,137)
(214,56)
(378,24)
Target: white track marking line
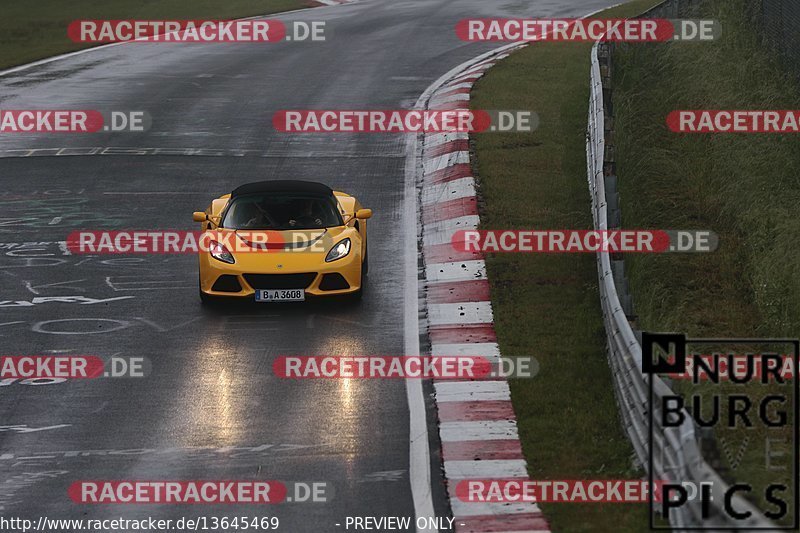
(460,313)
(467,509)
(441,100)
(470,391)
(493,468)
(478,69)
(449,226)
(478,430)
(492,358)
(478,349)
(442,232)
(464,77)
(451,87)
(437,139)
(456,271)
(451,190)
(419,470)
(453,224)
(419,467)
(444,161)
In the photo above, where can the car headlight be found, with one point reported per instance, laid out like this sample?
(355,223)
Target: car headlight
(338,251)
(220,253)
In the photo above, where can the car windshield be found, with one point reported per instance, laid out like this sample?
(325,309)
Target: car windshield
(281,212)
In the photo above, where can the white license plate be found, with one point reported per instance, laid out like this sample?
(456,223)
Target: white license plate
(280,295)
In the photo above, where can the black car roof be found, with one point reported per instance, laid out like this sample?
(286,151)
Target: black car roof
(283,186)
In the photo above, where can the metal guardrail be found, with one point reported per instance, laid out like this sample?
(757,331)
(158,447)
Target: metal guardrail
(676,452)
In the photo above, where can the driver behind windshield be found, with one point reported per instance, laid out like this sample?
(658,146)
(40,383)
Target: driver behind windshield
(308,215)
(251,216)
(281,213)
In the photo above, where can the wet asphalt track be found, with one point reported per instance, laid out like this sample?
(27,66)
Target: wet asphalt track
(211,409)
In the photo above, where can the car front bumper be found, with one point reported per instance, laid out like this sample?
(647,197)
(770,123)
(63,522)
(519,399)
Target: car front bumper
(255,271)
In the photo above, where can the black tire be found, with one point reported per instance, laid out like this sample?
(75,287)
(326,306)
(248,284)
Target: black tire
(205,299)
(353,297)
(356,296)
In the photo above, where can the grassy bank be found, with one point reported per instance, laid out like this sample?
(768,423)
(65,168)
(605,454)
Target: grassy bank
(34,31)
(548,305)
(745,187)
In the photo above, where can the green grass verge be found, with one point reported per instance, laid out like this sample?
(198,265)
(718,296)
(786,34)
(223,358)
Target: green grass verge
(745,187)
(548,306)
(30,32)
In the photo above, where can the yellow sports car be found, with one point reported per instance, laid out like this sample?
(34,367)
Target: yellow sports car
(276,241)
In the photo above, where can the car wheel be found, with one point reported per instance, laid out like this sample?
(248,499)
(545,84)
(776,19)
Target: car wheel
(205,299)
(354,297)
(365,262)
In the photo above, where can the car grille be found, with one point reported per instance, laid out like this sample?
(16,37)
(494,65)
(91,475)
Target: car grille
(333,282)
(226,283)
(280,281)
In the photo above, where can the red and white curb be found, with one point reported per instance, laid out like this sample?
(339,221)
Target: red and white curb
(477,425)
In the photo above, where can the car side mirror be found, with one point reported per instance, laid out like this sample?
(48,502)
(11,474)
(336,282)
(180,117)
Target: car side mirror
(364,214)
(199,216)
